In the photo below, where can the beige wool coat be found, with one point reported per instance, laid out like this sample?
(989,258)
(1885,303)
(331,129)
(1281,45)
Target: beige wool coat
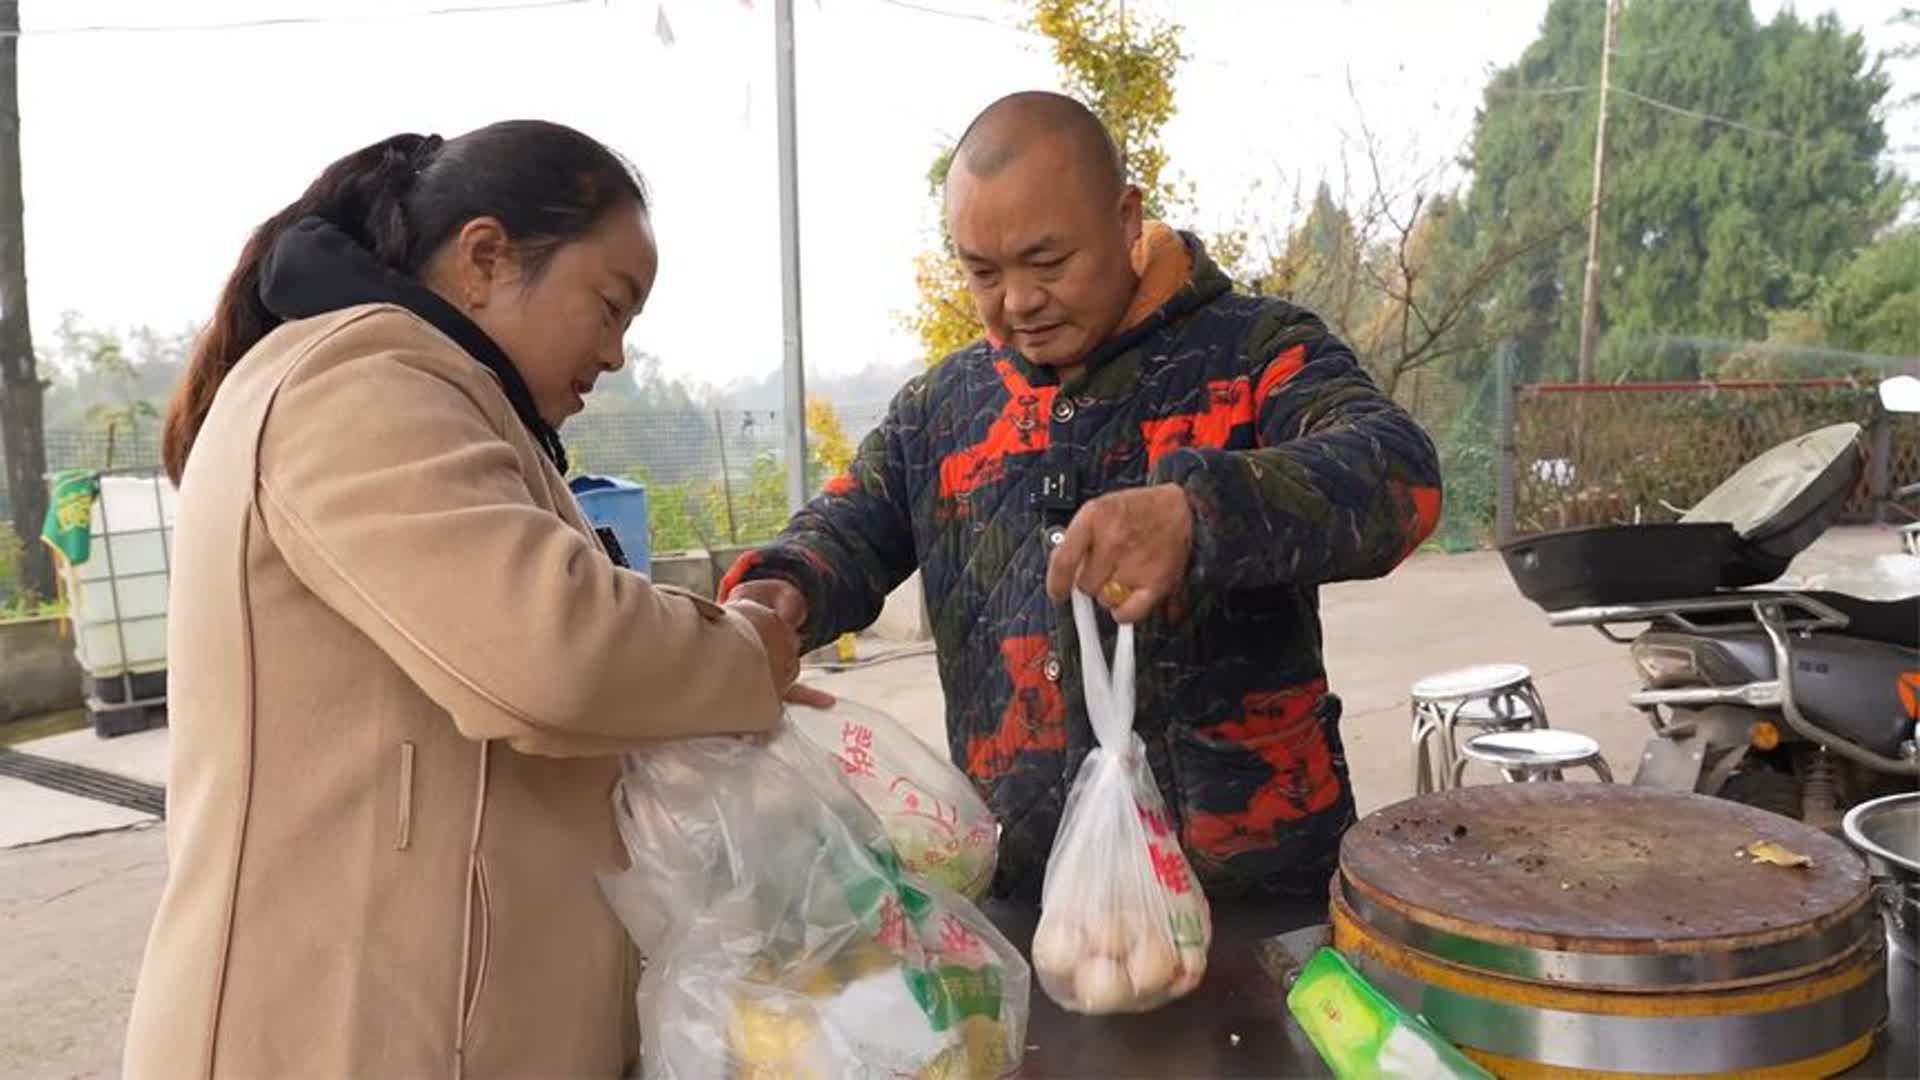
(401,669)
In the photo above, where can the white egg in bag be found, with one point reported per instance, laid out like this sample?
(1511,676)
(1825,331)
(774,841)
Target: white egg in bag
(1124,927)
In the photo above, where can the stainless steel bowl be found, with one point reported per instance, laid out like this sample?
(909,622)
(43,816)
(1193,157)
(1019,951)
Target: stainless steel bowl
(1887,832)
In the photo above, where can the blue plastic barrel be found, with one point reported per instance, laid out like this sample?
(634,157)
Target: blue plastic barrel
(621,505)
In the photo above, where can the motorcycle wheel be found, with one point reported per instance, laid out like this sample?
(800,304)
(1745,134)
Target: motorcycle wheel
(1765,789)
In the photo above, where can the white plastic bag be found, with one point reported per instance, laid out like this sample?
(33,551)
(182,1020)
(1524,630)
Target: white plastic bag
(939,825)
(1123,925)
(784,939)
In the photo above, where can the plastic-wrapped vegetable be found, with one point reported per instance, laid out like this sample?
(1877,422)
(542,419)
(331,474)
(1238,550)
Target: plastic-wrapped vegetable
(784,938)
(1362,1035)
(1123,925)
(939,825)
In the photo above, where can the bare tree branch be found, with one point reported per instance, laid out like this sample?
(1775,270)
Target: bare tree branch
(1375,278)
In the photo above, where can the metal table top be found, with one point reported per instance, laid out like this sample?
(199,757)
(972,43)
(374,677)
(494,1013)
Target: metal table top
(1237,1025)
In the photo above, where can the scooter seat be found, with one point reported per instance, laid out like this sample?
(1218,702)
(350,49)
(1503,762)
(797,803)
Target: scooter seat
(1890,622)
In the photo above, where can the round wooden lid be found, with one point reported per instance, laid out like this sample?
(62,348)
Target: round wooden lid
(1599,868)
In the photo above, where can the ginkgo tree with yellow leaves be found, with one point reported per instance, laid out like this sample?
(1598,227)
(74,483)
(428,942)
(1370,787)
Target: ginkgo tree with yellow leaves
(1372,263)
(1122,67)
(827,439)
(832,452)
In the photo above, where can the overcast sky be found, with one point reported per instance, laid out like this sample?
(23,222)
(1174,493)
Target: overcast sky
(149,155)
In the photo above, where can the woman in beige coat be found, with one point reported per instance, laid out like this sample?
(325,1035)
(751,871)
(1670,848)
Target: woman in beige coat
(402,664)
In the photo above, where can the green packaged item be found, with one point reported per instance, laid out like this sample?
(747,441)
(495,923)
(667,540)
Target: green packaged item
(68,528)
(1362,1035)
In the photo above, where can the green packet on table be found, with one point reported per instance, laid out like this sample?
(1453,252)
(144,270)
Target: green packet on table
(1362,1035)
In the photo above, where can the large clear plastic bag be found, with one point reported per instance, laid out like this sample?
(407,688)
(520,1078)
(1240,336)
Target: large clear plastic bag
(939,825)
(784,939)
(1123,925)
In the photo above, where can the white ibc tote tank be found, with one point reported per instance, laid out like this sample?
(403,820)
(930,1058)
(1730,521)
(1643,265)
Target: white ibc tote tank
(118,597)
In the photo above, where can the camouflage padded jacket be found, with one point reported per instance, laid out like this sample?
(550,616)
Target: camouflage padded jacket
(1298,470)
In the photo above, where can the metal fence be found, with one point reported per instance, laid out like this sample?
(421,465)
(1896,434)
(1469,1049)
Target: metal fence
(1463,419)
(113,449)
(680,446)
(715,477)
(1593,455)
(714,474)
(68,449)
(1517,460)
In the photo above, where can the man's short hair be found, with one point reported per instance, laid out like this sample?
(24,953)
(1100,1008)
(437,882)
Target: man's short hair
(1009,127)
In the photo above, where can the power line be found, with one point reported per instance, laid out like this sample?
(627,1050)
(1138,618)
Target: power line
(968,16)
(1538,91)
(292,20)
(1497,91)
(1691,114)
(1238,69)
(1652,50)
(1681,110)
(905,5)
(1736,125)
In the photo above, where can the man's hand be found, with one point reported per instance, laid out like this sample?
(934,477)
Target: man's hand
(786,602)
(780,597)
(777,640)
(1127,549)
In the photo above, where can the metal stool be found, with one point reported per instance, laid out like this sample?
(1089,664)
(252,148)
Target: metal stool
(1489,697)
(1527,756)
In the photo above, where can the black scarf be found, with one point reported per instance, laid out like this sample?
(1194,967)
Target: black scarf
(315,268)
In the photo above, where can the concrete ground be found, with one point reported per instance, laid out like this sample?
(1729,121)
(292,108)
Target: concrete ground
(73,922)
(140,756)
(30,814)
(1433,614)
(74,913)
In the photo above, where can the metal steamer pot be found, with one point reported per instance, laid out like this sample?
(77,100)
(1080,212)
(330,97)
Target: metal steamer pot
(1887,832)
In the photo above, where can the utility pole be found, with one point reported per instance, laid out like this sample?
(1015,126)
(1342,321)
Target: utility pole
(1503,424)
(794,416)
(1589,289)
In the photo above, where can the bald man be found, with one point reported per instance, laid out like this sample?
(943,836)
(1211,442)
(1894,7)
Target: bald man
(1199,460)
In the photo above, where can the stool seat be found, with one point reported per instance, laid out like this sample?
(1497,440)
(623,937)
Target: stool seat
(1479,681)
(1483,713)
(1483,697)
(1539,754)
(1547,748)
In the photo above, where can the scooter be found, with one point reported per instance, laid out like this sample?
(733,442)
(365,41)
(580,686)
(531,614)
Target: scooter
(1775,697)
(1793,686)
(1901,394)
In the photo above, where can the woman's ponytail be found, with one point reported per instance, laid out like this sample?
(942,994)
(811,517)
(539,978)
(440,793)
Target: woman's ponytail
(365,194)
